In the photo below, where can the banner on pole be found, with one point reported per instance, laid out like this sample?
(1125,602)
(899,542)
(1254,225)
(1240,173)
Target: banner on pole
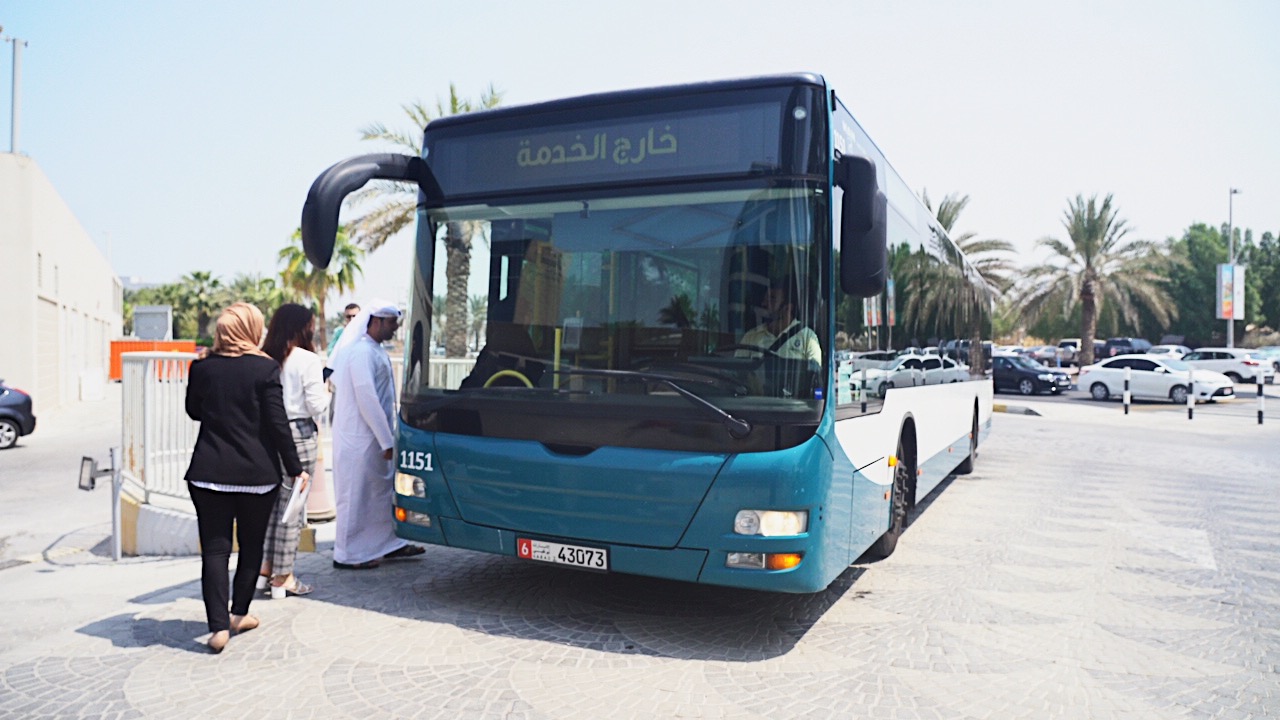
(889,303)
(1230,292)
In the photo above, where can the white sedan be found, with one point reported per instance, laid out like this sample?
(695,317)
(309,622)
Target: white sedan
(1236,363)
(1152,377)
(912,370)
(1169,351)
(905,371)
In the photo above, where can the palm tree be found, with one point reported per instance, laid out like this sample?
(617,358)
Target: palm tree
(394,207)
(439,313)
(981,253)
(202,295)
(479,310)
(303,278)
(1097,267)
(260,291)
(955,294)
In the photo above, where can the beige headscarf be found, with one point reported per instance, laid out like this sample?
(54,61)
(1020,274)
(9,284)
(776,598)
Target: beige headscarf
(239,331)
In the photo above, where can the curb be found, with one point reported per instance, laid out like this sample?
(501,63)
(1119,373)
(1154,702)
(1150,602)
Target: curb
(1013,409)
(150,530)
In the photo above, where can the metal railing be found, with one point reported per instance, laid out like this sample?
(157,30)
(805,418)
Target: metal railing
(157,437)
(449,373)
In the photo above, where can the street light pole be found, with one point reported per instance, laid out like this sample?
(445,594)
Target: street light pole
(16,93)
(1231,261)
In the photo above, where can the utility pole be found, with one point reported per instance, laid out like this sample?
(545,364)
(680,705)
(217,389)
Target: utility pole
(1231,261)
(15,105)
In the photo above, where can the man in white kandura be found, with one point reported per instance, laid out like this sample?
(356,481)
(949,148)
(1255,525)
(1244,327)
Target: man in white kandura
(364,442)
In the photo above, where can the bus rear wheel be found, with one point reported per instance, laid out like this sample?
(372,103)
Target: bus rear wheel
(966,466)
(900,503)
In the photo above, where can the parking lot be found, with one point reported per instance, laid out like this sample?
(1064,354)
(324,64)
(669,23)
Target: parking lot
(1096,565)
(1244,406)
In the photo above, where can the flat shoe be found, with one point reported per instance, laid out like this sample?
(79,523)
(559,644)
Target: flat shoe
(404,552)
(356,566)
(218,641)
(245,624)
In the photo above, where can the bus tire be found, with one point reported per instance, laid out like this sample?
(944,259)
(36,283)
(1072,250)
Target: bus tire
(966,466)
(900,501)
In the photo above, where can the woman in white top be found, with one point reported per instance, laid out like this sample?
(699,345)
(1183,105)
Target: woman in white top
(289,342)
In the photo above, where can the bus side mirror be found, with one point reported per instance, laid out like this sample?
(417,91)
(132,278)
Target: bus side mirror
(863,232)
(324,199)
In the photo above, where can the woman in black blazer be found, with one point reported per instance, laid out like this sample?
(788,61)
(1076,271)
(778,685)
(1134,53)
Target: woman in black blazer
(234,476)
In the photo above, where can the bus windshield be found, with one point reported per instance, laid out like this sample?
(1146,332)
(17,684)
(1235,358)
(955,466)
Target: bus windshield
(593,321)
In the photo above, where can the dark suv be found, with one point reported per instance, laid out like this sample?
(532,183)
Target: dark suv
(1124,346)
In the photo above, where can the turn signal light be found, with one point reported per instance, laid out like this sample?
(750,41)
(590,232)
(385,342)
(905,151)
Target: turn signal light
(401,514)
(893,461)
(782,561)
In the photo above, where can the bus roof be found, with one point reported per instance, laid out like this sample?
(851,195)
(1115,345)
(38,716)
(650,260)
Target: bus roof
(618,96)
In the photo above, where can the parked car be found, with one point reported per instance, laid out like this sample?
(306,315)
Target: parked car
(16,417)
(939,370)
(904,371)
(1236,363)
(1269,352)
(1170,351)
(1069,351)
(912,370)
(1044,354)
(1024,375)
(1152,377)
(1125,346)
(959,350)
(875,359)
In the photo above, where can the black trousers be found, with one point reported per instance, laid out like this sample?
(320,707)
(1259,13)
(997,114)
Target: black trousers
(216,512)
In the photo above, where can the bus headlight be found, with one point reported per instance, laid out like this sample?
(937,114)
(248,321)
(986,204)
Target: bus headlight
(771,523)
(410,485)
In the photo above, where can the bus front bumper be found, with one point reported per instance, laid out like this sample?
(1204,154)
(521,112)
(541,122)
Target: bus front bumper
(683,564)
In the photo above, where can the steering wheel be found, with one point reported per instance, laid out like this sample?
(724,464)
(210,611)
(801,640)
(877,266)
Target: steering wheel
(508,373)
(761,350)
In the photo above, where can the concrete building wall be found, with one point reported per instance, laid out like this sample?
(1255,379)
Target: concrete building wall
(62,303)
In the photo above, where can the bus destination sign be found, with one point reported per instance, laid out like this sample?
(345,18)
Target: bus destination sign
(687,144)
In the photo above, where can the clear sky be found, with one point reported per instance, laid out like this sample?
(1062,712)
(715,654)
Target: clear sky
(184,135)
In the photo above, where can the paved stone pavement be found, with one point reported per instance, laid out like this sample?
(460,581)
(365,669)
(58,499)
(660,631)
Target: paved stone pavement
(1094,566)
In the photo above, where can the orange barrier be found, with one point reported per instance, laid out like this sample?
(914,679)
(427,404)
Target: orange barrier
(123,346)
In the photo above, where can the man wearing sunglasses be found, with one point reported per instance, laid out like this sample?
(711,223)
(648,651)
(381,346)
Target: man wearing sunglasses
(348,314)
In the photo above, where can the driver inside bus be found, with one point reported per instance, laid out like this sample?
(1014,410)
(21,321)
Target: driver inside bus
(780,332)
(791,356)
(508,359)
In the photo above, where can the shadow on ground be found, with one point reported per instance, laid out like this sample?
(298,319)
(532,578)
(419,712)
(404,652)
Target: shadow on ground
(505,597)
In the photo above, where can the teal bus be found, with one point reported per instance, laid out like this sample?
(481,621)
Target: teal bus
(654,281)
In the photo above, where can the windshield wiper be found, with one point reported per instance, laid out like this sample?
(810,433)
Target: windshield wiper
(737,427)
(436,403)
